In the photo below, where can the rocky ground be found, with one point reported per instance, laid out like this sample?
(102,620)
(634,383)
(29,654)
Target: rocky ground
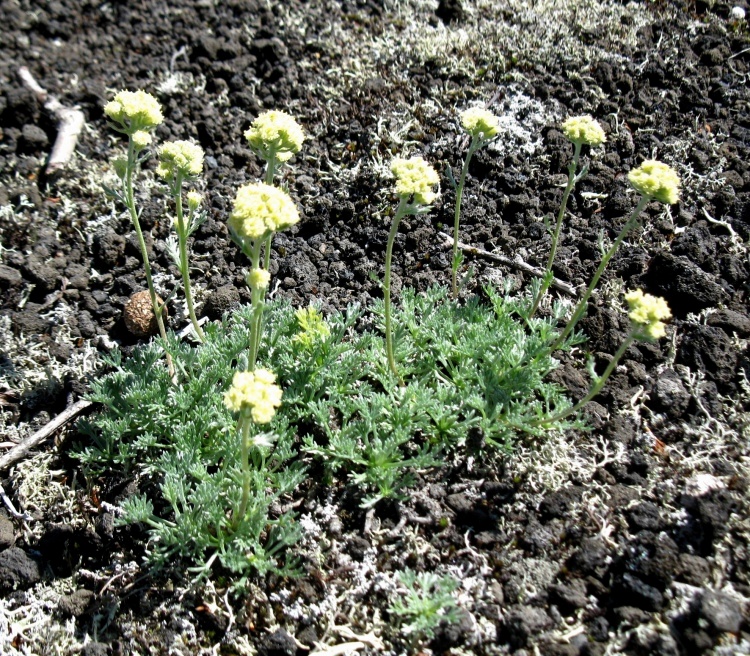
(632,538)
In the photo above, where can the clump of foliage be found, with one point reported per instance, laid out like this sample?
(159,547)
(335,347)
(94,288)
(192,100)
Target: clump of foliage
(219,439)
(427,602)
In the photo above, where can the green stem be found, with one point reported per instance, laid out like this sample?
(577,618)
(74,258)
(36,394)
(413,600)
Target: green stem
(547,278)
(243,427)
(582,304)
(476,142)
(269,176)
(257,299)
(400,212)
(182,231)
(130,202)
(595,388)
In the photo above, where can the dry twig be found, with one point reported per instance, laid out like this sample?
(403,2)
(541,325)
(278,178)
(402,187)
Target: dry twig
(69,122)
(516,264)
(27,444)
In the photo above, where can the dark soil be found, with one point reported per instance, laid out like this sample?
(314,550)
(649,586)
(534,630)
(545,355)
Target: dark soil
(632,538)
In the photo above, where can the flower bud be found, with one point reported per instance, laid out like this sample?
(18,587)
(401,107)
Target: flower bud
(258,279)
(194,200)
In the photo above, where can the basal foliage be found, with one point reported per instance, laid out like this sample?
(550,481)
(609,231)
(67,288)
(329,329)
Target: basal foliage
(469,371)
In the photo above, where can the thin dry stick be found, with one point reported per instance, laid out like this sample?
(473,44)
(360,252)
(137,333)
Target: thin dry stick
(27,444)
(70,122)
(516,264)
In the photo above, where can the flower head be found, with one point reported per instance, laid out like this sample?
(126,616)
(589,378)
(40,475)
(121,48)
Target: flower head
(648,313)
(259,209)
(180,157)
(584,130)
(134,110)
(657,180)
(276,134)
(255,391)
(258,279)
(478,121)
(415,177)
(141,139)
(313,327)
(194,200)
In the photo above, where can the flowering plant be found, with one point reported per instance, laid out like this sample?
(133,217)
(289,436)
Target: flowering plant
(581,130)
(483,126)
(135,114)
(181,161)
(470,374)
(415,180)
(259,211)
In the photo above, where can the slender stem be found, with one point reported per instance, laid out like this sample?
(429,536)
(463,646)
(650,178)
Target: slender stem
(473,147)
(267,251)
(581,307)
(257,299)
(547,278)
(130,202)
(270,168)
(400,212)
(182,234)
(243,427)
(595,388)
(270,173)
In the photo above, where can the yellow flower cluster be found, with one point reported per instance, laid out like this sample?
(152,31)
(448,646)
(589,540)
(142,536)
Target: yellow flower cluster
(478,121)
(584,130)
(256,391)
(259,209)
(141,139)
(313,327)
(183,157)
(135,110)
(648,313)
(657,180)
(276,134)
(194,200)
(415,177)
(258,279)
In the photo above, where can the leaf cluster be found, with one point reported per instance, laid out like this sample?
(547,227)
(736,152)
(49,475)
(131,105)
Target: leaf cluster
(180,444)
(427,601)
(471,370)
